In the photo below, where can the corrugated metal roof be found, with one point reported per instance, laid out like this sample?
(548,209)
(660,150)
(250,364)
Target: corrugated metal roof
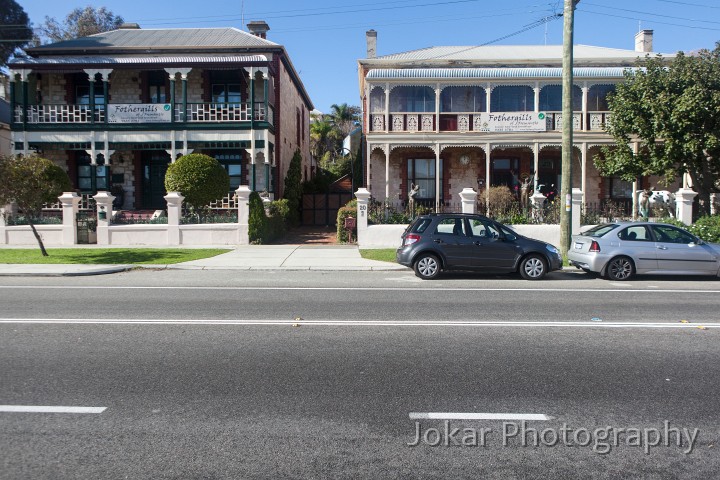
(496,53)
(490,73)
(130,60)
(196,38)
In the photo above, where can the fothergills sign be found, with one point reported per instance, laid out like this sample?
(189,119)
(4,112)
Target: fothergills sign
(139,112)
(513,122)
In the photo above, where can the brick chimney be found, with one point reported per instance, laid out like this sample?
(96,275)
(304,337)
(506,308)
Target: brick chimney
(371,38)
(643,41)
(258,28)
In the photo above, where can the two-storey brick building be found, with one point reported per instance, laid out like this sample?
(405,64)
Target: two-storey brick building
(118,107)
(447,118)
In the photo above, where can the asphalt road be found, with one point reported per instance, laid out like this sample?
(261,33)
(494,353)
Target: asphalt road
(256,397)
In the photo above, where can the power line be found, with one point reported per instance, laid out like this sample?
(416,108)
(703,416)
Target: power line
(689,4)
(653,21)
(653,14)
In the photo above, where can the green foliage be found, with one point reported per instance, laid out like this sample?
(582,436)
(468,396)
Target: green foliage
(672,109)
(256,219)
(265,227)
(707,227)
(342,232)
(31,182)
(15,31)
(81,22)
(114,255)
(381,254)
(294,188)
(199,178)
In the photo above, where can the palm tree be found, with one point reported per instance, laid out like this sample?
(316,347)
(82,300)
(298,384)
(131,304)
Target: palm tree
(322,137)
(344,117)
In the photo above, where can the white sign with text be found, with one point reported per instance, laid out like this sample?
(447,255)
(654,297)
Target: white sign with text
(139,112)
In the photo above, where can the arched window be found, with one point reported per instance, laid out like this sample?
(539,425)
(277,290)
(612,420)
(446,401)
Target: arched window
(412,99)
(463,99)
(551,98)
(377,100)
(512,98)
(597,97)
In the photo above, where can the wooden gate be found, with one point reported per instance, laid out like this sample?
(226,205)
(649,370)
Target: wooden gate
(322,208)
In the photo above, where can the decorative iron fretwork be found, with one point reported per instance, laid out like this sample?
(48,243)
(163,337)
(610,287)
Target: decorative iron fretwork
(463,123)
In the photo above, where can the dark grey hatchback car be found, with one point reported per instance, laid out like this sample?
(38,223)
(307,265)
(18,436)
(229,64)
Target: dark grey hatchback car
(458,241)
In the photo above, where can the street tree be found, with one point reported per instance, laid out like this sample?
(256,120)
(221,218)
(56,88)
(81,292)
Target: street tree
(673,110)
(81,22)
(15,31)
(31,181)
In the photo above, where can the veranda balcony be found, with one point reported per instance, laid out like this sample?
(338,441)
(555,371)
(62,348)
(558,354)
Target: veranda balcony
(472,122)
(196,113)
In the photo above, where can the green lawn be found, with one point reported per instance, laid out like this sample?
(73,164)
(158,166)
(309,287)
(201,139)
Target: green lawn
(94,256)
(382,254)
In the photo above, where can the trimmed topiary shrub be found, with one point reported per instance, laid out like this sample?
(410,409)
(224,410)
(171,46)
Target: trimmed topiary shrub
(199,178)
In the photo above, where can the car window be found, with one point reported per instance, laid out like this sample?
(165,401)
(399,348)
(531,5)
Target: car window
(600,230)
(483,229)
(420,225)
(636,233)
(509,233)
(668,234)
(451,226)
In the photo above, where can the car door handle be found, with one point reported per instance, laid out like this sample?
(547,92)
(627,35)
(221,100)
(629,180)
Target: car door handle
(661,247)
(479,244)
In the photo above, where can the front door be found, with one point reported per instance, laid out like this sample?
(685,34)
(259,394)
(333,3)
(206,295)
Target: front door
(155,164)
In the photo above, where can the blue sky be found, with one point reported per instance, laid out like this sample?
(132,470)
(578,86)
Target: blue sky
(325,38)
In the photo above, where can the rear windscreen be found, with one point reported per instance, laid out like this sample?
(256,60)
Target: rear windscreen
(420,225)
(600,230)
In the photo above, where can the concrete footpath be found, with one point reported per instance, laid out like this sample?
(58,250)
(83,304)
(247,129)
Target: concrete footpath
(250,257)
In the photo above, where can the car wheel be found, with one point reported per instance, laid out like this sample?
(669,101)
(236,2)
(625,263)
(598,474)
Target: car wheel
(533,267)
(620,268)
(427,266)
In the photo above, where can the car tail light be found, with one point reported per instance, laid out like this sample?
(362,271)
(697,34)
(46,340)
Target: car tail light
(410,239)
(594,247)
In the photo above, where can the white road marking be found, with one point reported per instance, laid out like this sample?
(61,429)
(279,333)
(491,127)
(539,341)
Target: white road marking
(49,409)
(366,323)
(476,416)
(435,288)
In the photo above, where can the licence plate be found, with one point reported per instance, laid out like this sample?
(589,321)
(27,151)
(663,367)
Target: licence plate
(578,246)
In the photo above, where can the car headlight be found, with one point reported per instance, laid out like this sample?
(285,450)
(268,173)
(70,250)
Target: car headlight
(553,249)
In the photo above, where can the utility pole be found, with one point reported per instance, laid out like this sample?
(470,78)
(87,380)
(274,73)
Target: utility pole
(567,130)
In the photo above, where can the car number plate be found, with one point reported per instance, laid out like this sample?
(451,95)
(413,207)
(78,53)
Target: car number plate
(578,246)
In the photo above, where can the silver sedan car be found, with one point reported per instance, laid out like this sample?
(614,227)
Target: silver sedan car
(620,250)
